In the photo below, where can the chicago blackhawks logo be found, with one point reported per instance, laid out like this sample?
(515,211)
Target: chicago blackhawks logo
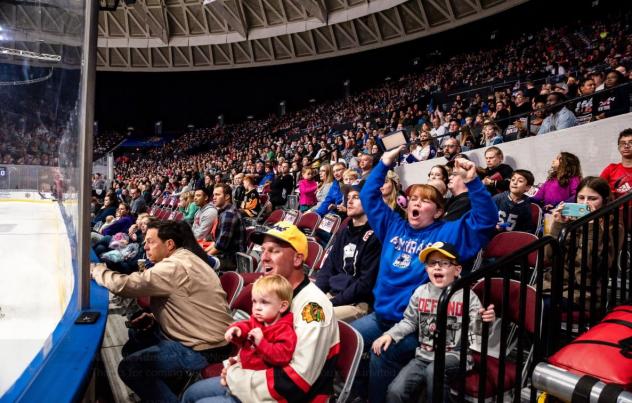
(312,312)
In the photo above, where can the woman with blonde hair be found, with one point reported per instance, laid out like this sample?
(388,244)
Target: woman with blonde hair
(187,207)
(326,180)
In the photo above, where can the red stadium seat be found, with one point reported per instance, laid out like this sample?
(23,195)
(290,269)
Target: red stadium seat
(308,223)
(232,283)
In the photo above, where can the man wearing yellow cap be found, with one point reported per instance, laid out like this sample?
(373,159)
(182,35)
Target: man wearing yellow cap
(309,376)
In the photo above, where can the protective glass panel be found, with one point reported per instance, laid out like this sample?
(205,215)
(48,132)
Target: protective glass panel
(40,60)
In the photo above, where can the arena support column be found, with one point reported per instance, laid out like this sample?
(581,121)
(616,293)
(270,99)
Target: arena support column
(86,124)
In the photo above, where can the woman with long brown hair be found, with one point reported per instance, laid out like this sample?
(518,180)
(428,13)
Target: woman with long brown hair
(561,184)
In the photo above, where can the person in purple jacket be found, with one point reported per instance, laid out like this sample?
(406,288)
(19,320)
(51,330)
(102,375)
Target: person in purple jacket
(121,223)
(561,184)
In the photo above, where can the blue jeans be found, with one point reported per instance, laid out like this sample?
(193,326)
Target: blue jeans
(208,391)
(150,359)
(384,368)
(418,372)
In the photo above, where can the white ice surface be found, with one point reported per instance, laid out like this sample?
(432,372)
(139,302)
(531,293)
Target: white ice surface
(35,283)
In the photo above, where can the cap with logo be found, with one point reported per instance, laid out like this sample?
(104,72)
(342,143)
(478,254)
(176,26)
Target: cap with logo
(286,232)
(446,249)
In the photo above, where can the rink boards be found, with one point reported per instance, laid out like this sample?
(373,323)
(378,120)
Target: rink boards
(37,279)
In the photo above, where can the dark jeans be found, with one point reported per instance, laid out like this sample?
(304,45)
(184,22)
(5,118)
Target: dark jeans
(419,372)
(151,360)
(384,368)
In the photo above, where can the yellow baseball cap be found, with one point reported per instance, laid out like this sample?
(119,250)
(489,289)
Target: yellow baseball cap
(286,232)
(446,249)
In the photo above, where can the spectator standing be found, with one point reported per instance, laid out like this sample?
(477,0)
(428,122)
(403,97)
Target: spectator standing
(282,185)
(442,262)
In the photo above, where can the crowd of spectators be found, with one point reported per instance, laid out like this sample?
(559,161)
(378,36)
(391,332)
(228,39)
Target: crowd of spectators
(332,153)
(524,85)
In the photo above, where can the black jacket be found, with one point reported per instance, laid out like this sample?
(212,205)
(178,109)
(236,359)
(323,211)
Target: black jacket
(351,267)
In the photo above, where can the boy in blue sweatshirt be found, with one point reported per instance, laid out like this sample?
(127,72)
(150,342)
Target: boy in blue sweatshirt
(402,240)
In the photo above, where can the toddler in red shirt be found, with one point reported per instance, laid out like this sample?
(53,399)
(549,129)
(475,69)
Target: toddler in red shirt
(267,339)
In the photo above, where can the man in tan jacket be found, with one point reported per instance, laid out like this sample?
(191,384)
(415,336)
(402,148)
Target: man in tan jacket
(184,329)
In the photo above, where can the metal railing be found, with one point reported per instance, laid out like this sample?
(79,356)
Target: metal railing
(521,340)
(536,322)
(598,245)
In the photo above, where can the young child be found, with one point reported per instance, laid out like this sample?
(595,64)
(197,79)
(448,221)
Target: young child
(267,339)
(350,177)
(514,211)
(442,263)
(307,189)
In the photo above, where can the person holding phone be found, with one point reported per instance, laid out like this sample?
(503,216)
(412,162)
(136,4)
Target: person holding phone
(594,193)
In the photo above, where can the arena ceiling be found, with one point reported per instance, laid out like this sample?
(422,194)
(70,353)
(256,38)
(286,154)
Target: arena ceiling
(180,35)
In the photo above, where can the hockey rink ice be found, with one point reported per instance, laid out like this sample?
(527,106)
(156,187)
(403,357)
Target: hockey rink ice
(37,279)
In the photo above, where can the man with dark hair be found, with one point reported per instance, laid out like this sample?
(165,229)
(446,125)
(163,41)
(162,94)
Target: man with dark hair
(230,232)
(559,116)
(619,175)
(188,314)
(350,269)
(205,217)
(137,204)
(281,186)
(451,148)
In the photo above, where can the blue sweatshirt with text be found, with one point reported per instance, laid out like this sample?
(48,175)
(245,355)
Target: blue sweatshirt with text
(401,271)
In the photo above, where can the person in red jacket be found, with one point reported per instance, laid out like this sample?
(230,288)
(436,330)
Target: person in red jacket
(267,339)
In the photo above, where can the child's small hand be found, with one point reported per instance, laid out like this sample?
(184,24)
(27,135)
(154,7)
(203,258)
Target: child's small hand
(256,334)
(488,315)
(231,333)
(381,343)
